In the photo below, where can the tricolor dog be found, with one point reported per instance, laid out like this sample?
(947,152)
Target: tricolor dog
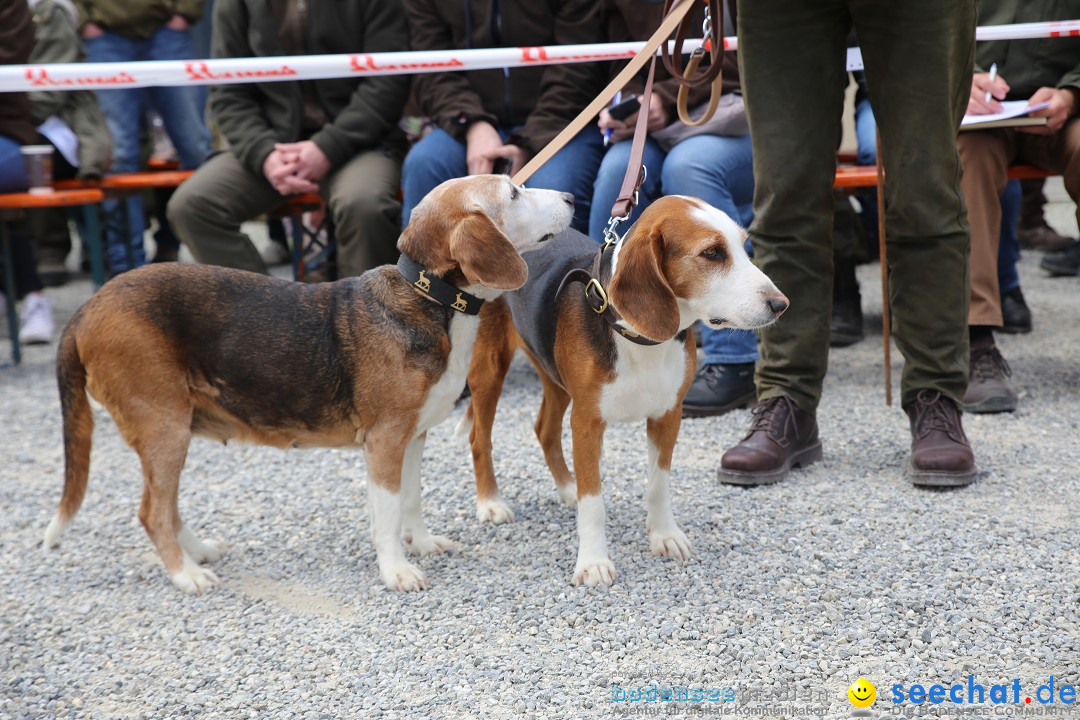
(371,362)
(617,346)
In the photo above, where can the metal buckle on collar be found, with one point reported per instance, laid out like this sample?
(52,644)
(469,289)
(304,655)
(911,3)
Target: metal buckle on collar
(594,283)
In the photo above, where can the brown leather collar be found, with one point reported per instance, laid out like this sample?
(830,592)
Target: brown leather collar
(596,295)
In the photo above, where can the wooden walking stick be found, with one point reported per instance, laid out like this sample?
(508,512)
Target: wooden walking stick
(886,324)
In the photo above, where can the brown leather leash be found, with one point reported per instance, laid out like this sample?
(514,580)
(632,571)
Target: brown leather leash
(675,13)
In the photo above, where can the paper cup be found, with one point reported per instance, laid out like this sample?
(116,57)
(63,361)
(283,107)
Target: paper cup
(38,160)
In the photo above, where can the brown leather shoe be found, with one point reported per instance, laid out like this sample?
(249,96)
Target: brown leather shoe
(782,436)
(1042,237)
(988,388)
(940,453)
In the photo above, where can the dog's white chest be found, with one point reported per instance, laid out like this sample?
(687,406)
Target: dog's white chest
(444,393)
(647,381)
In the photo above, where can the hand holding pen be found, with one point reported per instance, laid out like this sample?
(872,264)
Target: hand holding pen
(986,90)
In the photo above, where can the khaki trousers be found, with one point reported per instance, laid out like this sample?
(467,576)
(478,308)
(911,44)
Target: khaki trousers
(986,155)
(207,211)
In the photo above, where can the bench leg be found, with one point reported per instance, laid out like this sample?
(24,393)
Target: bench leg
(297,227)
(9,290)
(93,239)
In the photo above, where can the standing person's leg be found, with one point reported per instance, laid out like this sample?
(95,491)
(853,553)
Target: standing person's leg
(720,171)
(362,196)
(791,57)
(183,108)
(573,169)
(123,113)
(919,58)
(609,180)
(206,212)
(434,160)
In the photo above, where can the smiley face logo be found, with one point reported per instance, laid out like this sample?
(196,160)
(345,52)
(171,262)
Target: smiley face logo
(862,693)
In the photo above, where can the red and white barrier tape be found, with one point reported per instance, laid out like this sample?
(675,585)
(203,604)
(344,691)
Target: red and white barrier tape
(74,76)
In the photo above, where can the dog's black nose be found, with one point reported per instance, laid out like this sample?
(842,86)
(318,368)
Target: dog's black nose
(568,198)
(777,305)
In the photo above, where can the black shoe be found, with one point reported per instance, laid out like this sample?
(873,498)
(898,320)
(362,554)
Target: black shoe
(718,389)
(1064,262)
(1015,314)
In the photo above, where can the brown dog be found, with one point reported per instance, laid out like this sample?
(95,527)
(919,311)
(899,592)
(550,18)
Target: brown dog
(174,351)
(617,346)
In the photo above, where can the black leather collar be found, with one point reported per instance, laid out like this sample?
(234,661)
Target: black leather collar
(436,289)
(596,296)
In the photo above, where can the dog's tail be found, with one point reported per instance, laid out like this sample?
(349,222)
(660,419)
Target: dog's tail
(78,427)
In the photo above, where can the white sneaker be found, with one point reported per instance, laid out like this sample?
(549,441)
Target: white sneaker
(36,320)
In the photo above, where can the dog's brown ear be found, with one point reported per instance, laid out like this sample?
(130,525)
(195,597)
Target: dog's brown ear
(640,290)
(486,255)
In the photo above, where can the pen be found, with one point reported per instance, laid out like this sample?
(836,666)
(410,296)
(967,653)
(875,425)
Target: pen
(615,101)
(993,77)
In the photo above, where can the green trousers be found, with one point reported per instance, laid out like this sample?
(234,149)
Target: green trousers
(918,56)
(206,211)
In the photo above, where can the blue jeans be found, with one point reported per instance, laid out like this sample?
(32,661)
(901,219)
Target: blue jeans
(609,182)
(439,157)
(182,109)
(12,170)
(720,171)
(1009,244)
(866,138)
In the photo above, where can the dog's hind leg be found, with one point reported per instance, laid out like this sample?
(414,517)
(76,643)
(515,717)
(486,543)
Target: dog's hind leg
(549,425)
(162,450)
(413,530)
(492,353)
(665,537)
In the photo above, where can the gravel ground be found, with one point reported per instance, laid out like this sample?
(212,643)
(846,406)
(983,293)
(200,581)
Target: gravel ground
(795,590)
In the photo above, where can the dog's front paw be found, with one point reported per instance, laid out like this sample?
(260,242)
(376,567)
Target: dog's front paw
(194,579)
(428,544)
(494,511)
(594,572)
(671,543)
(405,577)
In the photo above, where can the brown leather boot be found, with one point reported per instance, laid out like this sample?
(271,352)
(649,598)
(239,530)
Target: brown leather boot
(940,453)
(782,436)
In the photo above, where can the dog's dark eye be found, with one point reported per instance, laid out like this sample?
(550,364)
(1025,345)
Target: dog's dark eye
(514,193)
(714,253)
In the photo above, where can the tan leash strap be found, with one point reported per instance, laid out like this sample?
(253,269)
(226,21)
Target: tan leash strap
(886,323)
(635,170)
(659,38)
(683,96)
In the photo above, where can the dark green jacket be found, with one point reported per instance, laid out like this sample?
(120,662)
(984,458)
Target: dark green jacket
(541,99)
(56,40)
(136,18)
(1028,65)
(363,112)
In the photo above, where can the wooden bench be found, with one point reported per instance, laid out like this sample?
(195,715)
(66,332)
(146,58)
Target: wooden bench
(127,184)
(859,176)
(88,198)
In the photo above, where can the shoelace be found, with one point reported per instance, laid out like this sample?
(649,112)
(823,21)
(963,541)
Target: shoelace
(933,413)
(768,416)
(988,364)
